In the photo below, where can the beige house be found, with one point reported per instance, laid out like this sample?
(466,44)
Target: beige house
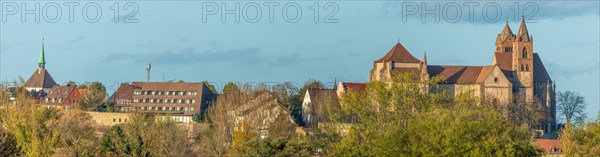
(516,72)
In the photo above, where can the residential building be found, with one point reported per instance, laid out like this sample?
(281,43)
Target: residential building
(62,97)
(180,100)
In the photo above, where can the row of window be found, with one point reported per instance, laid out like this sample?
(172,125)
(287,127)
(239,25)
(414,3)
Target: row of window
(523,52)
(525,68)
(165,101)
(161,108)
(157,108)
(59,100)
(164,93)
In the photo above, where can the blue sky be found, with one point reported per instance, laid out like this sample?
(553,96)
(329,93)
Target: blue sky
(182,44)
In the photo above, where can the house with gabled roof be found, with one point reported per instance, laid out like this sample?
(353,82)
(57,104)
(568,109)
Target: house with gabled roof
(40,82)
(62,97)
(516,73)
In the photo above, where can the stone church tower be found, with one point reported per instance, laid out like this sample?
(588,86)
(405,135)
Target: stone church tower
(520,48)
(516,74)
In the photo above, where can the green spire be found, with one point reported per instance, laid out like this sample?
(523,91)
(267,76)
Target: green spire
(42,61)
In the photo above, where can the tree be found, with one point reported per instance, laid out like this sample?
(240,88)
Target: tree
(291,98)
(418,124)
(197,117)
(230,87)
(582,140)
(71,83)
(89,101)
(30,126)
(76,130)
(210,86)
(278,147)
(218,138)
(241,134)
(571,105)
(8,144)
(114,142)
(311,84)
(93,97)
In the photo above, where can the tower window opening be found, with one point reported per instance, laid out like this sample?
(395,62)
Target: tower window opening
(524,53)
(527,67)
(522,67)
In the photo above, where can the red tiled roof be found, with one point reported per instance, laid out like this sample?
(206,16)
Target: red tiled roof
(169,86)
(60,92)
(399,54)
(125,91)
(40,79)
(547,144)
(504,60)
(460,74)
(354,86)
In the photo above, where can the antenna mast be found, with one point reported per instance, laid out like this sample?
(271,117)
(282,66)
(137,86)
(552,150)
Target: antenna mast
(148,67)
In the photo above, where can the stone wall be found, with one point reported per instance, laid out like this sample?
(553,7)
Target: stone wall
(109,118)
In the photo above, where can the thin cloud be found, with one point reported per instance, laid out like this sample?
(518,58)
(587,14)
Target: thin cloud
(569,71)
(77,39)
(242,56)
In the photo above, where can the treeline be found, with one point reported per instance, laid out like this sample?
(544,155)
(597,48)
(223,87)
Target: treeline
(385,119)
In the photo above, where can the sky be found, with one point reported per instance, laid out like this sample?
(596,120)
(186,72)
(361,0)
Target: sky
(279,41)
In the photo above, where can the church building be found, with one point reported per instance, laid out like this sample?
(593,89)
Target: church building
(40,82)
(516,73)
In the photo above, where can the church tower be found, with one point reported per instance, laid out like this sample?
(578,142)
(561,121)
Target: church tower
(522,62)
(504,41)
(40,82)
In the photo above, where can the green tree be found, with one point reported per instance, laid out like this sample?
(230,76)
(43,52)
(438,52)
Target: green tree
(230,88)
(278,147)
(8,144)
(114,142)
(418,124)
(30,126)
(210,86)
(582,140)
(94,96)
(197,117)
(71,83)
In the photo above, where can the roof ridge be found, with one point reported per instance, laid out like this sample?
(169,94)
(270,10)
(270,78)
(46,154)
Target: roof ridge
(399,54)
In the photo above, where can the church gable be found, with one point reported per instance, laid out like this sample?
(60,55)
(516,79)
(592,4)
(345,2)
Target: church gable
(495,78)
(40,79)
(398,54)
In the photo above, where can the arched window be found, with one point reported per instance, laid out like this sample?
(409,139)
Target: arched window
(524,54)
(527,67)
(522,67)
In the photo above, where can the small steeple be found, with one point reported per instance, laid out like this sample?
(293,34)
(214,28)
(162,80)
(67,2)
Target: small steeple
(523,35)
(42,59)
(425,57)
(424,65)
(506,32)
